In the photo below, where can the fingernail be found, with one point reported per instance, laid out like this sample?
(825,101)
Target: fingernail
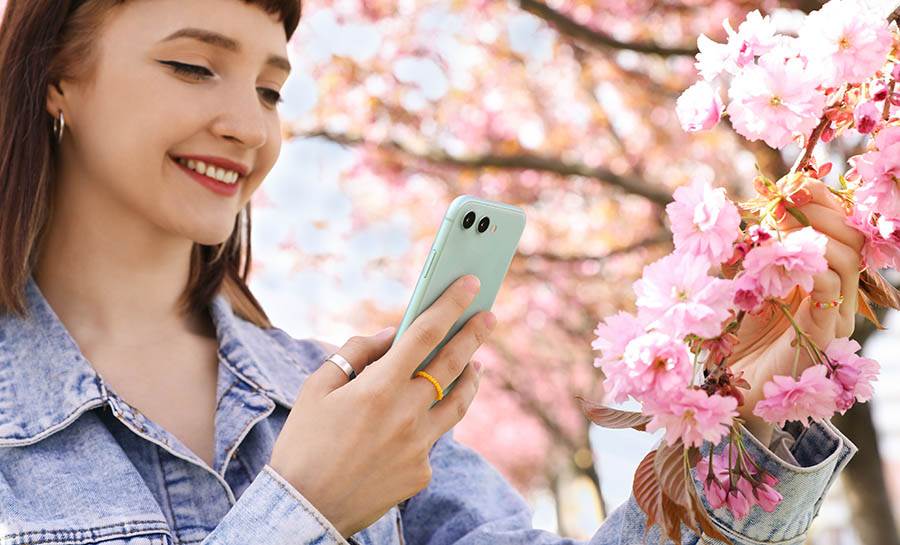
(472,283)
(384,332)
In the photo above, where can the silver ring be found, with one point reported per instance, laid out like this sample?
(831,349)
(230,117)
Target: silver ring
(342,362)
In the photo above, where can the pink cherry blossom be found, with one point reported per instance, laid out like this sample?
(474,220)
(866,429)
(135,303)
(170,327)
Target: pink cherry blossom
(748,293)
(740,494)
(713,57)
(879,170)
(778,266)
(678,297)
(848,40)
(704,222)
(775,99)
(653,364)
(692,416)
(614,334)
(866,116)
(853,374)
(882,238)
(699,107)
(737,501)
(754,37)
(765,494)
(813,396)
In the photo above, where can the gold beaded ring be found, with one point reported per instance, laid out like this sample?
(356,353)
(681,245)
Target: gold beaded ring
(433,381)
(830,304)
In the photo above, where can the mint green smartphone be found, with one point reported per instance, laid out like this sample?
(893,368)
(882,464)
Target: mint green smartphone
(477,237)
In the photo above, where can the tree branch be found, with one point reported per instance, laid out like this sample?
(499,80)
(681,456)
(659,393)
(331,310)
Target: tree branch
(663,237)
(569,27)
(521,161)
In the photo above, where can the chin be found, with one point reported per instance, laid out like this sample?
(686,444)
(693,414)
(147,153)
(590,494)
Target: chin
(209,233)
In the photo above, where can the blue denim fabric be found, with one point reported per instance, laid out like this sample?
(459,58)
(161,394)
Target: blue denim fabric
(79,465)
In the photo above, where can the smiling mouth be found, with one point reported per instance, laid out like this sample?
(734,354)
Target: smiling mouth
(218,174)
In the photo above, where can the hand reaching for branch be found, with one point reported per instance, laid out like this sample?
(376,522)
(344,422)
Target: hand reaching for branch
(767,338)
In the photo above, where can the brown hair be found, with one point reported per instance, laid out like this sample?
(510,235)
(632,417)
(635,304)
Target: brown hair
(41,43)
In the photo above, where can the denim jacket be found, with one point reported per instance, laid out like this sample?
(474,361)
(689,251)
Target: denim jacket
(80,466)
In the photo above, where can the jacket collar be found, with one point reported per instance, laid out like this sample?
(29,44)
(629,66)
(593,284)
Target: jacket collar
(46,383)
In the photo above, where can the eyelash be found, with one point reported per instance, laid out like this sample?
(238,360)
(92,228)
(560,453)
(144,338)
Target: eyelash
(199,72)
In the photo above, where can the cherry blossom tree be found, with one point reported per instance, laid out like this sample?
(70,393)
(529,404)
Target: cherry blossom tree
(565,108)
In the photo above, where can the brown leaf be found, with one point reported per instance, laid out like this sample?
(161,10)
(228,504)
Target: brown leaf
(879,290)
(863,308)
(673,514)
(664,490)
(646,488)
(612,418)
(669,465)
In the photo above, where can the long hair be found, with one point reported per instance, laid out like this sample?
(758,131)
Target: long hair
(41,43)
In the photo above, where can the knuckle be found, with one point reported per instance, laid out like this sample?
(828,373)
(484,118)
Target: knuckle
(461,299)
(455,362)
(857,239)
(461,409)
(427,334)
(481,334)
(830,282)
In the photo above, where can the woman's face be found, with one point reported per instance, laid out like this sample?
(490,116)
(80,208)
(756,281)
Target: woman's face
(126,128)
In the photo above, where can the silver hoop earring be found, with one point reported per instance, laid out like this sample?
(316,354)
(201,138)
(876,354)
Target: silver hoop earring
(59,126)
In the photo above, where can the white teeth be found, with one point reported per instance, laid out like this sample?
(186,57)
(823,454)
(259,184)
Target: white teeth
(220,174)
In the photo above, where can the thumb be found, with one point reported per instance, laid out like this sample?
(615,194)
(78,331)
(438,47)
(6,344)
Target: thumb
(359,352)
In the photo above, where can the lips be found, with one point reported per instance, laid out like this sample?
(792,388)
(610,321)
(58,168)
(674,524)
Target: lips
(221,188)
(221,162)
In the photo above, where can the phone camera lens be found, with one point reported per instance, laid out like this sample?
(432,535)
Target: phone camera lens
(483,224)
(468,220)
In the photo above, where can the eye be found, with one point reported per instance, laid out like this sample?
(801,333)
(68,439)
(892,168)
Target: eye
(190,70)
(272,97)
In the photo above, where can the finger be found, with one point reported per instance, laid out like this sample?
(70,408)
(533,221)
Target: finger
(451,409)
(819,324)
(432,326)
(453,357)
(822,196)
(359,352)
(828,222)
(845,262)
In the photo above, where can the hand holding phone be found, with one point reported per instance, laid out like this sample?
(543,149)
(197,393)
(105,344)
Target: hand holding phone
(478,237)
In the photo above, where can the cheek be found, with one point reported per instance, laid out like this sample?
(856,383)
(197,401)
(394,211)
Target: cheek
(127,126)
(266,157)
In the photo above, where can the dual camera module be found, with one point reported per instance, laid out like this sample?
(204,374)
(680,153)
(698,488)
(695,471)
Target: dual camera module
(469,220)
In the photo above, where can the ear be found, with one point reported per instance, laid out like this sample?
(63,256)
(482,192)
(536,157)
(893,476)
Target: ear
(56,101)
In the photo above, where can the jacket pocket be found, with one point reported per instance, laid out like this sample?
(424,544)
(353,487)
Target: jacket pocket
(118,531)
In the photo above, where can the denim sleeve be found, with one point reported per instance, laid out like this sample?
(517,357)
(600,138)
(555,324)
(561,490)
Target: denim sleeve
(468,502)
(271,510)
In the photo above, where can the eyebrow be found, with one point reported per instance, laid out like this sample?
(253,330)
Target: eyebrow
(224,42)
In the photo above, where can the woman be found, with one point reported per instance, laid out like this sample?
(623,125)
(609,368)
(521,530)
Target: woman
(144,395)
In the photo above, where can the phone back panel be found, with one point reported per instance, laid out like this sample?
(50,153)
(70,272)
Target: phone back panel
(457,252)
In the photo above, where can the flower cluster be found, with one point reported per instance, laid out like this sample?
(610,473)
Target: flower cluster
(779,85)
(674,354)
(734,481)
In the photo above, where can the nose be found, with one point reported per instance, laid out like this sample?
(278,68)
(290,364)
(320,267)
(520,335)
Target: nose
(242,119)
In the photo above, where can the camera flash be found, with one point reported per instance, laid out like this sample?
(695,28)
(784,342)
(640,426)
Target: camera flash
(494,228)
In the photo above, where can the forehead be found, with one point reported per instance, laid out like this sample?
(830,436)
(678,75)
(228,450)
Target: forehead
(143,23)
